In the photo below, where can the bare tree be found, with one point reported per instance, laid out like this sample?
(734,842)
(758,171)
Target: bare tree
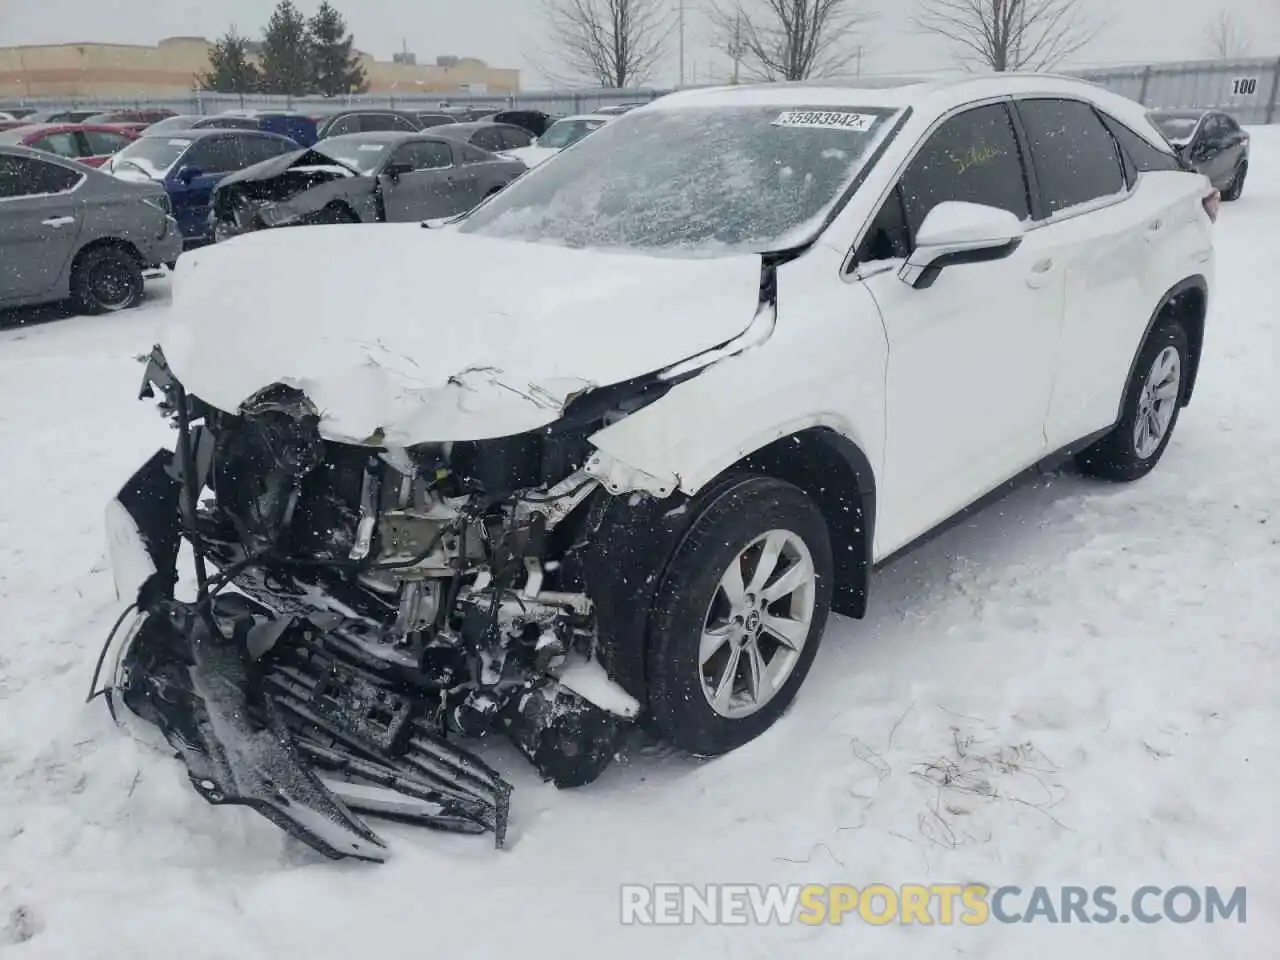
(612,43)
(1225,37)
(788,39)
(1010,34)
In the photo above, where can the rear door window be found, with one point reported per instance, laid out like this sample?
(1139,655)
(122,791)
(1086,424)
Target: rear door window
(1075,157)
(64,144)
(102,143)
(490,140)
(29,177)
(513,138)
(378,121)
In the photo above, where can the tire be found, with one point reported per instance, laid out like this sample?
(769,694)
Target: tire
(1123,454)
(106,279)
(1236,186)
(733,529)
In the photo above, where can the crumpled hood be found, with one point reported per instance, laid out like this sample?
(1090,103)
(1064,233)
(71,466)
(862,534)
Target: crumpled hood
(403,335)
(274,166)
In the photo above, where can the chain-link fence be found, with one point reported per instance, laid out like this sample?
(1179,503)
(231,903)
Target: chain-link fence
(1246,88)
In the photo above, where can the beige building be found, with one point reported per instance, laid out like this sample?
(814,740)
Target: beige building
(87,70)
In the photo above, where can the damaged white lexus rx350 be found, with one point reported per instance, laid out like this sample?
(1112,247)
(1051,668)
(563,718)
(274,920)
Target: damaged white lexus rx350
(671,397)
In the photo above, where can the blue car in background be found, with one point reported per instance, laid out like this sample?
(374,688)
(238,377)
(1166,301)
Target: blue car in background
(190,163)
(296,126)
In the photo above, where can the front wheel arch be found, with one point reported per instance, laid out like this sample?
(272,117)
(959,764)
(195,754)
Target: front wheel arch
(630,541)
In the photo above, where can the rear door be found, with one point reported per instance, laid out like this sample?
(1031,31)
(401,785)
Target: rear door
(1102,233)
(430,189)
(40,221)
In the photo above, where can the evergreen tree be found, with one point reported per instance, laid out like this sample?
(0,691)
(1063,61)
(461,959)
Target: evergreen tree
(335,70)
(230,69)
(286,52)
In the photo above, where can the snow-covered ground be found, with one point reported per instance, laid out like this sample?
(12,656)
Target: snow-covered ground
(1093,667)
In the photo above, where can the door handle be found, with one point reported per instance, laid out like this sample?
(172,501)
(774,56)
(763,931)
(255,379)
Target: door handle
(59,221)
(1040,273)
(1154,226)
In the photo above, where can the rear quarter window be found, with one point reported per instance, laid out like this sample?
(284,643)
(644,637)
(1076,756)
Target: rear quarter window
(1139,155)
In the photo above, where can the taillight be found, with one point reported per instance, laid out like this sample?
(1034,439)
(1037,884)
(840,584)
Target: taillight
(1212,201)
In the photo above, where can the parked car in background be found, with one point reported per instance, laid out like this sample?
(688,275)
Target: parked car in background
(534,121)
(91,144)
(60,116)
(190,163)
(69,231)
(366,120)
(379,177)
(433,119)
(617,109)
(492,137)
(17,113)
(135,120)
(563,133)
(298,127)
(1211,142)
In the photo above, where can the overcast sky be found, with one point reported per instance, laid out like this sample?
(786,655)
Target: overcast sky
(508,32)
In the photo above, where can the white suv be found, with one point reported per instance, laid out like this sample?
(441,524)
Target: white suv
(683,389)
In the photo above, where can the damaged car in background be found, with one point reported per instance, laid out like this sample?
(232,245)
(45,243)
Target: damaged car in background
(377,177)
(414,522)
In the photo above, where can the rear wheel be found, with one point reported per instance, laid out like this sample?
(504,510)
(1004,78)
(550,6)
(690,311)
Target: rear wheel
(739,616)
(1152,400)
(1236,186)
(106,279)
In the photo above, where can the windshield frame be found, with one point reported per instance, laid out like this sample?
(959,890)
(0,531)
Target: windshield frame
(893,120)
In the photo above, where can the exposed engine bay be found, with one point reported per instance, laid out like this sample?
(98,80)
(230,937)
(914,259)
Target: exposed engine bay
(359,607)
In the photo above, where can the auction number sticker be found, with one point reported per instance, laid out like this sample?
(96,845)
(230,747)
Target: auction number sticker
(826,120)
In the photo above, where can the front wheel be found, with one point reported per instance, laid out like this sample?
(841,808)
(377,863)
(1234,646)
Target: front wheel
(1152,400)
(106,280)
(739,616)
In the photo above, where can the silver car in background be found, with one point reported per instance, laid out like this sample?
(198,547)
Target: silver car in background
(69,231)
(377,177)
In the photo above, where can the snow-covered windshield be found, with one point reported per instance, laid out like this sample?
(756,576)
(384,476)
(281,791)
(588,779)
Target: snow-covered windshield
(155,156)
(690,179)
(355,152)
(562,133)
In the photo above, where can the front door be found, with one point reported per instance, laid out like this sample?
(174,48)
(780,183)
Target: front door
(971,358)
(426,187)
(41,221)
(210,159)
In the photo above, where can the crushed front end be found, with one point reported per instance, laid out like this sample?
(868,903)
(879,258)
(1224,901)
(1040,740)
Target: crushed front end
(357,611)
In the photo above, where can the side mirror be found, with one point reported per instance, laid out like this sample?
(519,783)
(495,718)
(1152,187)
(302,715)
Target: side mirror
(395,171)
(955,233)
(188,173)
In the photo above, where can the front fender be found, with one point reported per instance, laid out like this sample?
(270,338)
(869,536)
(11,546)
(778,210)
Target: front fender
(824,366)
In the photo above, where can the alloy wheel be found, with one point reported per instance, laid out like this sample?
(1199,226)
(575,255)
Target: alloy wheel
(1157,402)
(757,624)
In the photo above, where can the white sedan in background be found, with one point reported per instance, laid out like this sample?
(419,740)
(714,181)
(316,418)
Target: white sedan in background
(563,133)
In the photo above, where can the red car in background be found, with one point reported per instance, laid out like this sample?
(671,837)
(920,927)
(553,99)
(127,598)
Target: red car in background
(90,143)
(133,120)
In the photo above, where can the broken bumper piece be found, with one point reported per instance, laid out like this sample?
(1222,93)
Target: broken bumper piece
(265,714)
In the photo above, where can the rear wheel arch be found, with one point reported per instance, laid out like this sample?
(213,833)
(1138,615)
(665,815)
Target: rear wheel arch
(1185,303)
